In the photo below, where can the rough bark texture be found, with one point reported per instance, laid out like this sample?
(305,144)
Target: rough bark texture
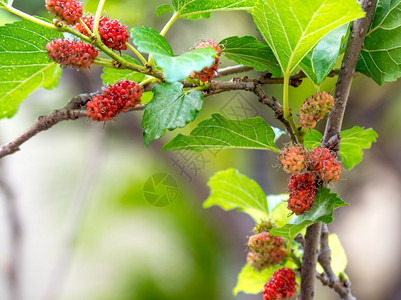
(332,132)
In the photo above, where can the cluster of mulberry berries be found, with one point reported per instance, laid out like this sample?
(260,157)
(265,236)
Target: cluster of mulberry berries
(113,34)
(265,250)
(308,169)
(70,53)
(114,100)
(69,11)
(281,285)
(314,109)
(208,73)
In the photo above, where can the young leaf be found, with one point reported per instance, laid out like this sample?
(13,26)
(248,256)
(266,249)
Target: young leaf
(171,107)
(218,132)
(201,9)
(111,75)
(248,51)
(318,63)
(278,209)
(293,28)
(312,139)
(24,64)
(164,8)
(149,40)
(352,142)
(175,68)
(338,256)
(322,211)
(380,57)
(231,190)
(251,281)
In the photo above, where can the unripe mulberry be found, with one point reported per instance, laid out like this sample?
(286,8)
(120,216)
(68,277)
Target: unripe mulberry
(70,53)
(314,109)
(281,285)
(113,34)
(208,73)
(69,11)
(265,250)
(263,226)
(302,192)
(114,100)
(323,164)
(293,159)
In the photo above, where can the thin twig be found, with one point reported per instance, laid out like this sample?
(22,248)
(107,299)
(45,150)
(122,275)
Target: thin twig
(15,228)
(233,70)
(332,131)
(329,278)
(76,216)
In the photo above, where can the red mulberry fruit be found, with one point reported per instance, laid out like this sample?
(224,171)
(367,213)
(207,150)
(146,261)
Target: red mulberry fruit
(69,11)
(281,285)
(70,53)
(208,73)
(302,192)
(113,34)
(265,250)
(323,164)
(293,159)
(314,109)
(114,100)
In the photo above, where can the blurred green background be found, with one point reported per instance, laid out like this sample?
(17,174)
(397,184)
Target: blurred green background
(89,232)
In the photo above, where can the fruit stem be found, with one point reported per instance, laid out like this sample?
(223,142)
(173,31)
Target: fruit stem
(137,53)
(147,80)
(99,11)
(30,18)
(85,26)
(103,63)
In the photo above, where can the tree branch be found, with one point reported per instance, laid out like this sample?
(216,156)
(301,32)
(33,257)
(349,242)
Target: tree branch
(332,132)
(309,259)
(359,29)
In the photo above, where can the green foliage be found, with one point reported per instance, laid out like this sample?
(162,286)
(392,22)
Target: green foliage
(318,63)
(164,8)
(338,257)
(218,132)
(175,68)
(248,51)
(293,28)
(380,57)
(111,75)
(251,281)
(171,107)
(196,9)
(278,209)
(149,40)
(231,190)
(322,211)
(24,64)
(353,141)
